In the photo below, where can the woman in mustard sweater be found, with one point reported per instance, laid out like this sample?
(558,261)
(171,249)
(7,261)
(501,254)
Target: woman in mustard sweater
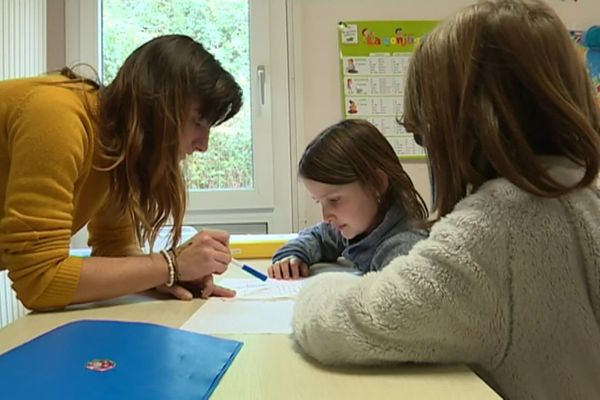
(74,153)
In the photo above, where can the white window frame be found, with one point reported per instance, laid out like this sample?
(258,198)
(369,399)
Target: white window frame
(271,152)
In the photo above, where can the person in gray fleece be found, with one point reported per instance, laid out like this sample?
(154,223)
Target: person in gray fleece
(372,212)
(508,281)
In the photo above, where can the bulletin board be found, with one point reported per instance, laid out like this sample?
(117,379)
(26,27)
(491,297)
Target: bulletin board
(374,58)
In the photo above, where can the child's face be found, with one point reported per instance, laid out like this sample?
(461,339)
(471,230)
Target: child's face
(350,208)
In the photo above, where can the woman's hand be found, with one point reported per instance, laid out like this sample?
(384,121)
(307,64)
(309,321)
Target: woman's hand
(205,254)
(289,268)
(209,289)
(204,288)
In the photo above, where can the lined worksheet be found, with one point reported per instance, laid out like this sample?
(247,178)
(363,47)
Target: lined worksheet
(253,289)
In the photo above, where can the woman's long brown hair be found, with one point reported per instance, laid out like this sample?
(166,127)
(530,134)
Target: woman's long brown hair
(492,88)
(141,116)
(355,151)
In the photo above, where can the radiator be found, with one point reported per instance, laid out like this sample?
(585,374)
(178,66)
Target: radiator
(10,307)
(22,38)
(22,53)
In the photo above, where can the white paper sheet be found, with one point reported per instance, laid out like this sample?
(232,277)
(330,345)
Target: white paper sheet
(230,316)
(259,307)
(253,289)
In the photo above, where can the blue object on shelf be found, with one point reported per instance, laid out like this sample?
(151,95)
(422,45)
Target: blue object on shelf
(591,37)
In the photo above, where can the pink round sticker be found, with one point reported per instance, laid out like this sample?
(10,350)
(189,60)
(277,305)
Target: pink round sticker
(100,365)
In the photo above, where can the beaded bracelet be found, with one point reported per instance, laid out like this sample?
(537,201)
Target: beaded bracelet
(171,251)
(172,275)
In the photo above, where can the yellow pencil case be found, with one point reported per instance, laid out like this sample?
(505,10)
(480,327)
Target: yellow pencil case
(257,246)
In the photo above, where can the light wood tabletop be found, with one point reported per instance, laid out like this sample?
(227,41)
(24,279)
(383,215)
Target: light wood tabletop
(269,366)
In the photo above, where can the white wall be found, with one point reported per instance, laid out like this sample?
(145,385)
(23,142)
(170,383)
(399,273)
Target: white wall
(55,14)
(317,80)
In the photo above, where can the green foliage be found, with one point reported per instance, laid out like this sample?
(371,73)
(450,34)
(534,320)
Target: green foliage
(222,27)
(226,168)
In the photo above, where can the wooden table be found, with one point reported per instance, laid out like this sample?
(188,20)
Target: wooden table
(269,366)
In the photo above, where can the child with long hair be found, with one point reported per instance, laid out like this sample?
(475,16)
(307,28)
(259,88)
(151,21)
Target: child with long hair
(508,281)
(372,212)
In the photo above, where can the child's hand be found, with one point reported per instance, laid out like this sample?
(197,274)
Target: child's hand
(288,268)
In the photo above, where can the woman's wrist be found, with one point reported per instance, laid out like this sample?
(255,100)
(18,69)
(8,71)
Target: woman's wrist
(173,275)
(159,263)
(173,253)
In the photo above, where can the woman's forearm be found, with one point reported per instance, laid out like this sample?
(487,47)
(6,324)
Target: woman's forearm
(107,277)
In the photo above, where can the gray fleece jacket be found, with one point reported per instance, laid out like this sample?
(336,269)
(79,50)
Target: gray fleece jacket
(508,283)
(323,243)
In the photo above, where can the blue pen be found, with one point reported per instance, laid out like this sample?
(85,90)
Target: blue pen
(252,271)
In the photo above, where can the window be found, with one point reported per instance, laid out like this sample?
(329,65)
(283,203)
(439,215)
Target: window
(224,31)
(234,181)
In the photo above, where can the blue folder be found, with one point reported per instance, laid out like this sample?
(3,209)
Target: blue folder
(150,362)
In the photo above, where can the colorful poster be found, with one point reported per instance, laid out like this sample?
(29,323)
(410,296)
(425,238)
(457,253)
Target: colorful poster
(374,59)
(592,42)
(588,42)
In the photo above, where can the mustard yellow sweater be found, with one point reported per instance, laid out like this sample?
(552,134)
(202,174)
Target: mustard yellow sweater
(49,190)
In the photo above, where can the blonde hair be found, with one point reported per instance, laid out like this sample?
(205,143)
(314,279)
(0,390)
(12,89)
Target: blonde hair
(492,88)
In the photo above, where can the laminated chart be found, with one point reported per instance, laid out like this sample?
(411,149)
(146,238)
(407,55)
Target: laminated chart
(374,59)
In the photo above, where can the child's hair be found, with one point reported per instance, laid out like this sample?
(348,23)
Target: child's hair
(354,151)
(141,118)
(492,88)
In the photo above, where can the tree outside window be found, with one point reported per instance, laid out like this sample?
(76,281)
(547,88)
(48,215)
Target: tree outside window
(222,27)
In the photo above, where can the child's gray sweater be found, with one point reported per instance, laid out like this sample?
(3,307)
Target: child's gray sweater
(393,237)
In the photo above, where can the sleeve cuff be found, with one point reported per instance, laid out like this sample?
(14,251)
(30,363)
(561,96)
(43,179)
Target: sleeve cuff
(62,288)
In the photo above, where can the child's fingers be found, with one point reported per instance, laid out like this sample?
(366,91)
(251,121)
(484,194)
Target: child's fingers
(285,270)
(288,268)
(296,266)
(295,271)
(277,271)
(304,270)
